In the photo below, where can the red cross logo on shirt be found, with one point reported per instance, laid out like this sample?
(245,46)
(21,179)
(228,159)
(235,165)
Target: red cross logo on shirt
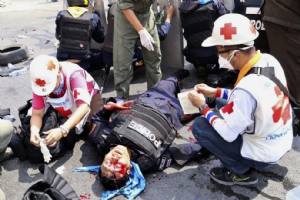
(228,108)
(63,112)
(40,82)
(228,30)
(281,110)
(76,94)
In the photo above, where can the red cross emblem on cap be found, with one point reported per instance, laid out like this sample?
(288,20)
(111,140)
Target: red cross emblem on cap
(40,82)
(228,30)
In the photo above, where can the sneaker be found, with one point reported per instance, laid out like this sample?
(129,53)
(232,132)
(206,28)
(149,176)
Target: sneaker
(224,176)
(181,74)
(6,155)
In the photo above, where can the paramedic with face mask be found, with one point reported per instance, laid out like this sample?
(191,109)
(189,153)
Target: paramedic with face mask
(254,128)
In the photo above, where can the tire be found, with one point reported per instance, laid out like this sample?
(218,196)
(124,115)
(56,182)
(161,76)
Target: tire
(13,54)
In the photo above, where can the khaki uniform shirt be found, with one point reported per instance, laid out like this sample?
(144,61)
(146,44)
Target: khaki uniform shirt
(138,6)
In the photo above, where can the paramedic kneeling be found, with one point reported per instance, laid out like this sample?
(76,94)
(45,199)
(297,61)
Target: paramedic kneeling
(254,128)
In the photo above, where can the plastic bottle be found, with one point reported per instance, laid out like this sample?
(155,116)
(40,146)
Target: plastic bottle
(293,194)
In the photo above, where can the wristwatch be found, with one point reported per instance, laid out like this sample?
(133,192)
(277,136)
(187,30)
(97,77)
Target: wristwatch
(64,130)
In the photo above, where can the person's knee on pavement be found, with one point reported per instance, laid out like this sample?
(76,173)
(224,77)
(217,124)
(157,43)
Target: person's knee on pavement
(6,131)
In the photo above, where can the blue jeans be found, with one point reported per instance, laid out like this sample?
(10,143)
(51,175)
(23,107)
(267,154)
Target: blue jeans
(228,152)
(162,97)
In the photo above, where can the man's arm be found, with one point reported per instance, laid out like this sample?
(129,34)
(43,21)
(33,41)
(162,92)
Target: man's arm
(233,118)
(77,116)
(36,122)
(54,135)
(126,7)
(163,29)
(170,13)
(132,19)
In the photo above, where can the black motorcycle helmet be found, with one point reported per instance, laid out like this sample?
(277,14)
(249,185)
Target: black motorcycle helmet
(81,3)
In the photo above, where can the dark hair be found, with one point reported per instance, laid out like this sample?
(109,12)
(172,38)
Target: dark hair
(112,183)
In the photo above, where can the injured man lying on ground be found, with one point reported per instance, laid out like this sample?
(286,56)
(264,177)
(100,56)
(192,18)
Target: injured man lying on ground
(141,131)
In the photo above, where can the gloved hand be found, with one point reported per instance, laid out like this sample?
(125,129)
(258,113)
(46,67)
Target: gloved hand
(206,90)
(146,39)
(53,136)
(197,99)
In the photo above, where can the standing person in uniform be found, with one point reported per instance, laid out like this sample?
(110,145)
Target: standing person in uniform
(163,23)
(135,21)
(282,22)
(254,128)
(75,27)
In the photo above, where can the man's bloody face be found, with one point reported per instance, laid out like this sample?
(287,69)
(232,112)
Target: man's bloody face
(116,163)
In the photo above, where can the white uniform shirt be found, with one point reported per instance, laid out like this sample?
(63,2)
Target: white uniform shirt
(259,112)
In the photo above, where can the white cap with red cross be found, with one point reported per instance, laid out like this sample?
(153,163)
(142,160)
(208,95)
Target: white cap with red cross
(232,29)
(43,74)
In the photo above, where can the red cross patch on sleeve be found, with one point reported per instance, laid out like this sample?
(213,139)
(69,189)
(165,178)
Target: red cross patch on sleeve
(228,108)
(76,94)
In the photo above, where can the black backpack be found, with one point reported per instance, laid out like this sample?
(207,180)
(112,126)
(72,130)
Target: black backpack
(52,187)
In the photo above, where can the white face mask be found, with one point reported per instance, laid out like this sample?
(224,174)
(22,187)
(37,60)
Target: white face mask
(224,63)
(231,55)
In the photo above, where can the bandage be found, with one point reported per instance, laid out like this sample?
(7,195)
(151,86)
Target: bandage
(45,151)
